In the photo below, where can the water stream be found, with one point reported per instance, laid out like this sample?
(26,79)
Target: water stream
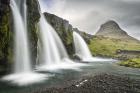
(82,50)
(65,77)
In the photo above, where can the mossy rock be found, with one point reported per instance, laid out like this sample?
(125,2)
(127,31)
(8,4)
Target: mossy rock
(64,30)
(131,63)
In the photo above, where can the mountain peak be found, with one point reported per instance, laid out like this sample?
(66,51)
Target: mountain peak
(110,23)
(111,29)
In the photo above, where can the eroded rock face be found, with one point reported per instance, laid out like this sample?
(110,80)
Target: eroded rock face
(5,34)
(33,11)
(64,30)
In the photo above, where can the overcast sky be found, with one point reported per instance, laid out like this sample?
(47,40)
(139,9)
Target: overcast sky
(88,15)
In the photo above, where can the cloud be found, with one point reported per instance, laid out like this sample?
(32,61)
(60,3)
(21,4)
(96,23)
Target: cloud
(88,15)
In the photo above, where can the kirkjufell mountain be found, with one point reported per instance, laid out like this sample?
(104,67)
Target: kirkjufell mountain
(113,30)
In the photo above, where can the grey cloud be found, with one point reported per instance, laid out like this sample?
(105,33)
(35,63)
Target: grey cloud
(88,15)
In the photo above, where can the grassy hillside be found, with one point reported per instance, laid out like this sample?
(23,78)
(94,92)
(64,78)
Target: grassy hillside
(108,47)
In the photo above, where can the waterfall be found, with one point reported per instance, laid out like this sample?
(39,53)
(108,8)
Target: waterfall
(81,48)
(23,74)
(53,50)
(22,54)
(52,53)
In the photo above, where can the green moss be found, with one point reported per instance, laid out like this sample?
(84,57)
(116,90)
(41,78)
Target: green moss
(5,37)
(32,20)
(131,63)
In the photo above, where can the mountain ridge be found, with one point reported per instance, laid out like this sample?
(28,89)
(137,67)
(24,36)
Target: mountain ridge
(112,29)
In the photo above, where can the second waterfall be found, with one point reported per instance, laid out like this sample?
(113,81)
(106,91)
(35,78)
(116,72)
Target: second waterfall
(52,54)
(51,47)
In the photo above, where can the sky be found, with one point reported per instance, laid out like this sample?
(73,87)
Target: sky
(88,15)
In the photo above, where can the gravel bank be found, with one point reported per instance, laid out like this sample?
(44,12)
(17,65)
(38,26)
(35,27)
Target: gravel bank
(104,83)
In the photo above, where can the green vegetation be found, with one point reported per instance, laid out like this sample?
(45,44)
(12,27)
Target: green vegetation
(5,35)
(104,46)
(131,63)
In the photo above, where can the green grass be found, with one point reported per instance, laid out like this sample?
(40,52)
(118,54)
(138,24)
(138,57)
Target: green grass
(131,63)
(104,46)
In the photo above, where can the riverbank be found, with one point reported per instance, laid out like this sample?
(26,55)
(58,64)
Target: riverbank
(104,83)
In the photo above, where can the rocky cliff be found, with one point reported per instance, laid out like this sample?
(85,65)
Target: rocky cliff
(64,30)
(5,34)
(33,19)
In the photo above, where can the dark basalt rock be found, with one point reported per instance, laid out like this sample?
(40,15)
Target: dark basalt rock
(33,11)
(5,35)
(64,30)
(76,57)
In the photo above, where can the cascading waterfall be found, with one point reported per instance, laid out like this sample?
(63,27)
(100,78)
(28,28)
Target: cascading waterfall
(53,50)
(23,73)
(22,54)
(52,53)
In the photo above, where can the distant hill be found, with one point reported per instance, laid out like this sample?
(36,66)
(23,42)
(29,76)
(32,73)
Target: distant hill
(112,29)
(110,39)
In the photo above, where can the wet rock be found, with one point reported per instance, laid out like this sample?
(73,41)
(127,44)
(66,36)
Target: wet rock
(64,30)
(76,57)
(5,35)
(104,83)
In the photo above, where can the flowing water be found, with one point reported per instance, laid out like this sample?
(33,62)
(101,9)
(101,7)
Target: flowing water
(22,73)
(52,48)
(52,53)
(66,77)
(82,50)
(22,53)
